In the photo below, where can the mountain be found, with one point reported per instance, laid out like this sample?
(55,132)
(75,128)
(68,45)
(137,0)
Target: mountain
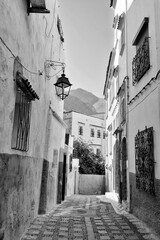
(82,101)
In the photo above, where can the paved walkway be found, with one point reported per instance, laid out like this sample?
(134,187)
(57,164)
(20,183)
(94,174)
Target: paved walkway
(86,217)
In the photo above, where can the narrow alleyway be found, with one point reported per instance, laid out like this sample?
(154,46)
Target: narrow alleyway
(85,217)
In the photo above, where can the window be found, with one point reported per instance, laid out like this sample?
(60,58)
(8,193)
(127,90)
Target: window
(107,145)
(80,130)
(98,151)
(110,143)
(92,132)
(37,6)
(115,21)
(104,135)
(67,138)
(22,114)
(98,134)
(70,163)
(122,111)
(122,41)
(112,91)
(113,3)
(141,61)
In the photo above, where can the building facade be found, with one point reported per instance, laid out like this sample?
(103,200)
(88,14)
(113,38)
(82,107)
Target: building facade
(32,131)
(115,95)
(135,168)
(88,128)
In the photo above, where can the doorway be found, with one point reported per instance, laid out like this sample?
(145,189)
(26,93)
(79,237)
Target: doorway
(64,178)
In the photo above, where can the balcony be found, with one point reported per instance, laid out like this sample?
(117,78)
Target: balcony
(141,62)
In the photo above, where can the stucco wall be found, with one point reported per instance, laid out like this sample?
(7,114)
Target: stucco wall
(19,179)
(141,115)
(145,206)
(91,184)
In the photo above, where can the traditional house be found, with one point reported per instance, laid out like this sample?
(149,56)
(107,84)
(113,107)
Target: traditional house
(136,165)
(32,130)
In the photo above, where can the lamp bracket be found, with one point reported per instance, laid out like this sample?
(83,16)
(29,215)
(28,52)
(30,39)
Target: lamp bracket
(51,63)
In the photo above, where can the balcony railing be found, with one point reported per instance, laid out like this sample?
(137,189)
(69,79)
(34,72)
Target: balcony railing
(141,62)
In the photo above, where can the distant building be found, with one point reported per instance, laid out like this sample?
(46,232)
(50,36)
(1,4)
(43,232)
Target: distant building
(90,129)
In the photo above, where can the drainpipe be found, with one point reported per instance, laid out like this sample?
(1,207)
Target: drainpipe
(126,79)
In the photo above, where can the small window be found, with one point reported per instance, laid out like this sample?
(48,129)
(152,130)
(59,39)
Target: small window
(122,41)
(113,3)
(98,134)
(104,135)
(80,130)
(67,138)
(92,132)
(110,143)
(70,163)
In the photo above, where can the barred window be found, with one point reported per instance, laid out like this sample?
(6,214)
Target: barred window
(21,123)
(141,61)
(22,114)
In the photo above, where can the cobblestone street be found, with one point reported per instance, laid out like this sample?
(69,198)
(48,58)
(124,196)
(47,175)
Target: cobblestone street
(85,217)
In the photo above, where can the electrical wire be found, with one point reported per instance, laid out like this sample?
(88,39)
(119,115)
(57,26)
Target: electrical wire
(39,73)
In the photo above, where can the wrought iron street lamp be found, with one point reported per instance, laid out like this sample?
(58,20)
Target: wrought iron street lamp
(62,86)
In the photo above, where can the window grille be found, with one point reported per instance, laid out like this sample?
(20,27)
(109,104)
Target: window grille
(21,125)
(141,61)
(22,114)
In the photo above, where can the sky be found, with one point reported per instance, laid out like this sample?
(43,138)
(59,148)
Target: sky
(88,40)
